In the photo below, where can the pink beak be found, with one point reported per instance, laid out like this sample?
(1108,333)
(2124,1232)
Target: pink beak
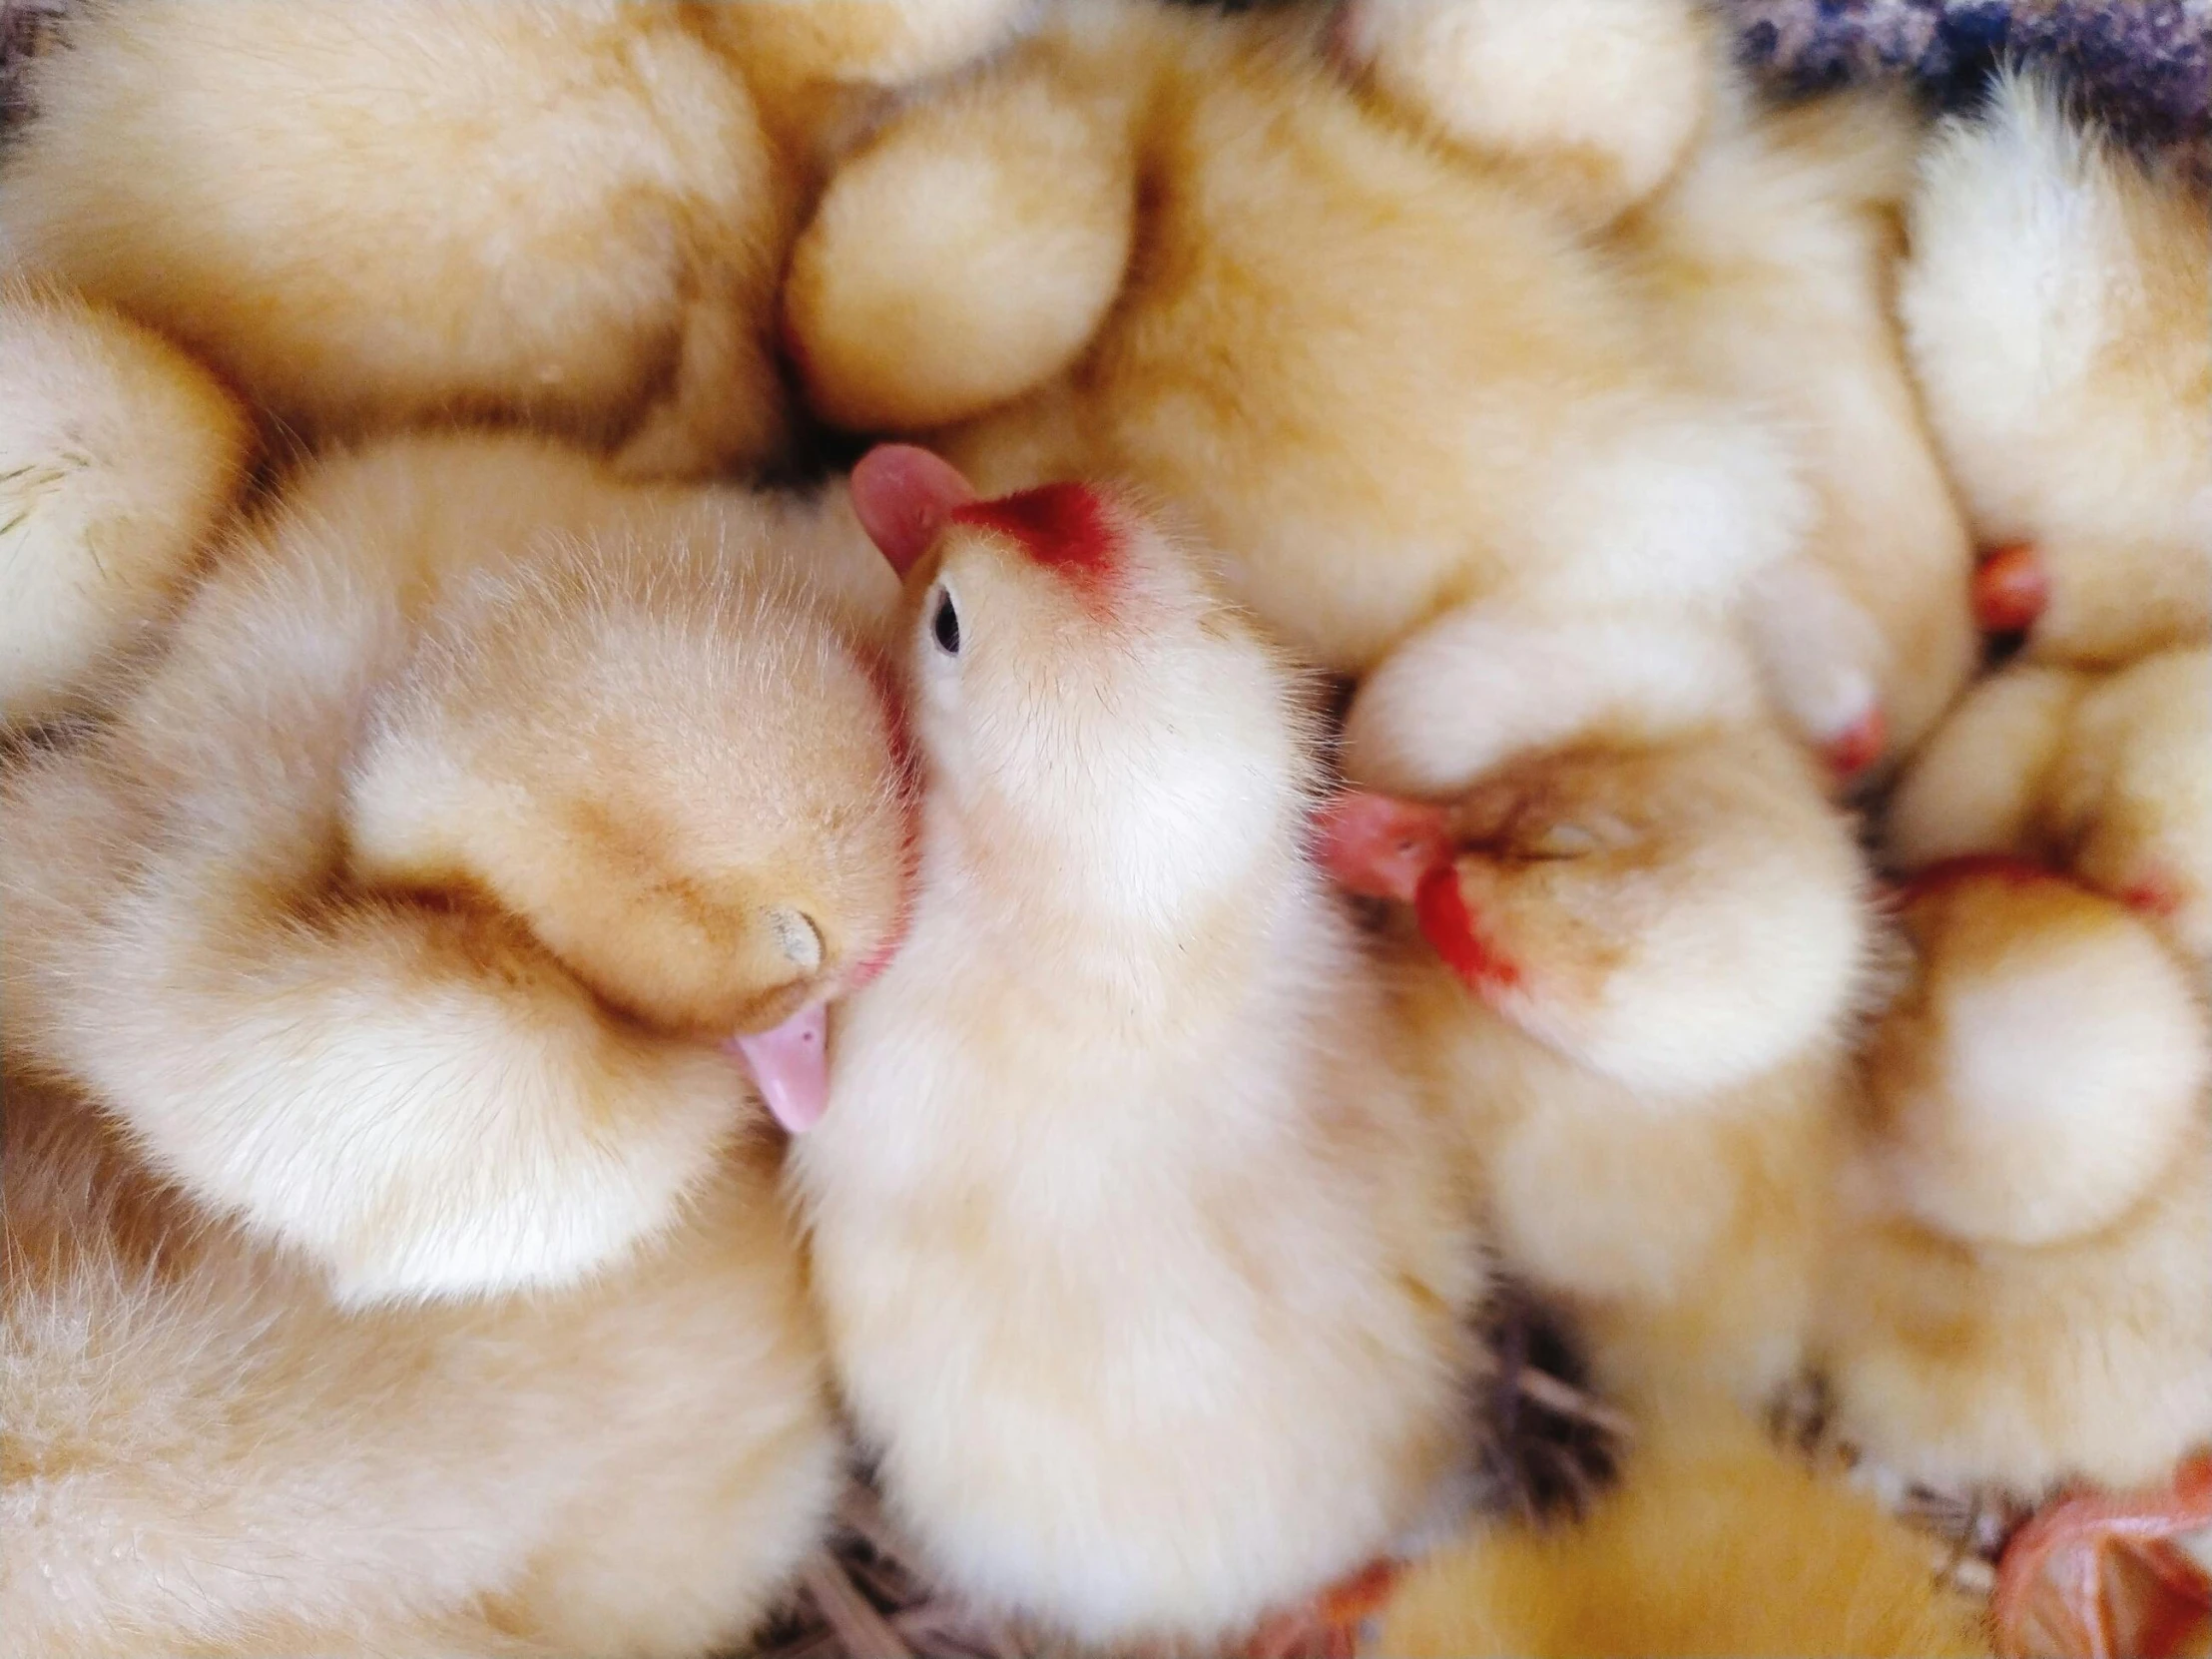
(791,1066)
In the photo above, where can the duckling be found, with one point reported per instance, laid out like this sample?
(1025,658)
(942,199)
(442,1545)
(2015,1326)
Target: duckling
(119,456)
(2054,304)
(2108,775)
(2021,1296)
(210,1453)
(570,215)
(1601,100)
(1176,249)
(1701,1550)
(1767,236)
(471,807)
(1631,985)
(1146,1285)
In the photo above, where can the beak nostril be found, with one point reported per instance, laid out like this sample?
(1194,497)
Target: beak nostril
(789,1067)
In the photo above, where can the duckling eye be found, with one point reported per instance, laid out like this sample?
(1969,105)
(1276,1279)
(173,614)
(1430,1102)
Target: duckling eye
(1600,832)
(1560,841)
(797,936)
(945,626)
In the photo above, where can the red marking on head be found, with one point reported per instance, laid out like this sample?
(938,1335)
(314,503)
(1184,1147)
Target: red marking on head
(1449,926)
(1859,745)
(875,961)
(907,773)
(1061,525)
(2006,867)
(2011,590)
(1379,846)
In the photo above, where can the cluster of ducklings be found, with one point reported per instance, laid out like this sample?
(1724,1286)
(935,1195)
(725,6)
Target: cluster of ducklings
(444,808)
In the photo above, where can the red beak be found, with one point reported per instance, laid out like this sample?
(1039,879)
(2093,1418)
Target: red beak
(2011,590)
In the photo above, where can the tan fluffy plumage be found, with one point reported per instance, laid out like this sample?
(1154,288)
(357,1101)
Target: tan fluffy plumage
(474,799)
(1145,1274)
(2022,1293)
(1384,378)
(1640,943)
(2105,775)
(1769,239)
(207,1456)
(1600,100)
(1777,247)
(2055,296)
(1715,1544)
(119,456)
(370,970)
(2054,301)
(574,214)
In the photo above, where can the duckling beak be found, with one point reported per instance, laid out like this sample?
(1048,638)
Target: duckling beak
(2011,590)
(902,496)
(1380,846)
(789,1065)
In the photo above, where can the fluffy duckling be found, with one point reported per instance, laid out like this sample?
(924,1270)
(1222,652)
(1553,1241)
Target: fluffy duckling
(206,1454)
(2022,1295)
(475,800)
(1777,247)
(1701,1550)
(1144,1277)
(1769,237)
(119,456)
(1482,686)
(1176,248)
(2105,775)
(2054,304)
(571,214)
(1640,953)
(2055,298)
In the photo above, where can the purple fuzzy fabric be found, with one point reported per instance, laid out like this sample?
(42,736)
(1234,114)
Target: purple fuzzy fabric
(2141,67)
(24,24)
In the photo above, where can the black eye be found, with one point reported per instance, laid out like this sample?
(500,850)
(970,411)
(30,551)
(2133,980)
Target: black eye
(946,625)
